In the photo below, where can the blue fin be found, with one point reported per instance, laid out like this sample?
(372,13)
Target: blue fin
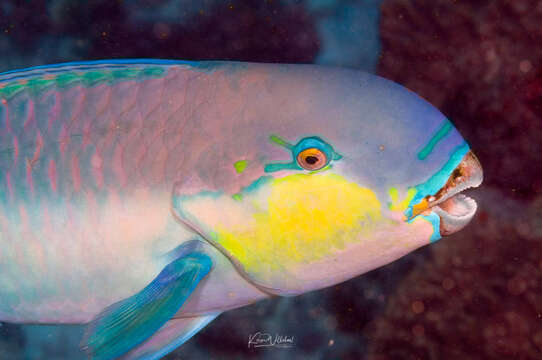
(169,337)
(126,324)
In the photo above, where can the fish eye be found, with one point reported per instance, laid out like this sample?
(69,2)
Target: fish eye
(313,153)
(312,159)
(310,153)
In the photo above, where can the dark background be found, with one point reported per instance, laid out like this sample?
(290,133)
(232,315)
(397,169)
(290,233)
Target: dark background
(474,295)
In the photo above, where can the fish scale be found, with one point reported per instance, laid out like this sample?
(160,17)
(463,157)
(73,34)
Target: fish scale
(87,125)
(70,148)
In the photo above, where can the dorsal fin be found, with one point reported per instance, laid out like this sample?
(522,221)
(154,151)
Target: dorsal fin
(42,70)
(89,73)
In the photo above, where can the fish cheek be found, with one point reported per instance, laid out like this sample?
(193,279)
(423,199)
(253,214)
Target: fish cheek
(232,223)
(284,223)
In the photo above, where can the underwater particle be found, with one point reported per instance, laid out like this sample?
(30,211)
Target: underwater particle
(161,30)
(418,330)
(418,307)
(525,66)
(516,286)
(448,284)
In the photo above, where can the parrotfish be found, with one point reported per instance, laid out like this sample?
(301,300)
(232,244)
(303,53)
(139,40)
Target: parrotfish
(143,198)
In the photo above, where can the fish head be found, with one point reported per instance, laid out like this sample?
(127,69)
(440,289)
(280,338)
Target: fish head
(331,173)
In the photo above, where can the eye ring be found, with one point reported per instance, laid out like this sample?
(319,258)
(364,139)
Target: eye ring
(312,159)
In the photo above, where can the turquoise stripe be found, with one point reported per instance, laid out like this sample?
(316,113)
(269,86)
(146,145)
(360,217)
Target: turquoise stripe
(441,133)
(434,220)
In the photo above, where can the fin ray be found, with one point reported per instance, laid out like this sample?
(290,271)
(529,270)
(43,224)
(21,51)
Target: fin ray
(169,337)
(40,70)
(128,323)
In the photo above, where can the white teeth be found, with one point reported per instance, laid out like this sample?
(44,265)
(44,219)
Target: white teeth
(473,176)
(453,192)
(454,209)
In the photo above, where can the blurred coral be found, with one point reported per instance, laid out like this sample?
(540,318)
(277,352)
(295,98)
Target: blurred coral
(480,295)
(40,32)
(479,298)
(480,62)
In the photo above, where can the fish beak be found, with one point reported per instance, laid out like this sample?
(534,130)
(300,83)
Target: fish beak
(420,208)
(454,209)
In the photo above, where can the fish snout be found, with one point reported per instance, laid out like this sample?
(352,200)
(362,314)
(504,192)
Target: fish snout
(454,208)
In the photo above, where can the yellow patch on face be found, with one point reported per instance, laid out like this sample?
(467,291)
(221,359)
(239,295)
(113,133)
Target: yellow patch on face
(402,205)
(307,217)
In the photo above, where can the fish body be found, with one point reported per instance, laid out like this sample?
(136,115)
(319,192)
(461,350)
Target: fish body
(88,169)
(284,178)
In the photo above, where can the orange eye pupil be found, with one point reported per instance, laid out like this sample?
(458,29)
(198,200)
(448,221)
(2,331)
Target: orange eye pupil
(312,159)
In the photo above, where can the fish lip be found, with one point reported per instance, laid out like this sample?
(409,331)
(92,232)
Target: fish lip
(455,213)
(455,209)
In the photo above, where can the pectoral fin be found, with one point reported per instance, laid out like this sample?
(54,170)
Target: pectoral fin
(128,323)
(170,336)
